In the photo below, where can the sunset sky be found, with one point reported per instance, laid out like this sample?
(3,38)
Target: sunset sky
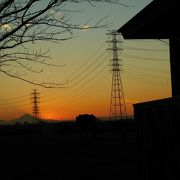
(145,76)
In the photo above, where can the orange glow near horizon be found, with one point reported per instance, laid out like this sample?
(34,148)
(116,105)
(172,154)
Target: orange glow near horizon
(89,92)
(84,69)
(70,112)
(50,116)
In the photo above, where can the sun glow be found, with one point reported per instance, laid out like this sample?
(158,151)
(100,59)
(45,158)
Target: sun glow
(50,115)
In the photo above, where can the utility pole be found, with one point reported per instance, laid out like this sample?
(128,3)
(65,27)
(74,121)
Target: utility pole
(118,109)
(35,109)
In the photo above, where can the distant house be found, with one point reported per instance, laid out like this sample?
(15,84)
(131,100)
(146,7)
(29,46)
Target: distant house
(86,121)
(158,121)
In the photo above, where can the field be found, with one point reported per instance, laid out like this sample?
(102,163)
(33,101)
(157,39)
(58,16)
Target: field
(64,151)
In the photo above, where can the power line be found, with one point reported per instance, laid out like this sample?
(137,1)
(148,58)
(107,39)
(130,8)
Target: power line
(146,81)
(144,49)
(144,58)
(164,42)
(161,71)
(145,73)
(82,72)
(89,59)
(77,80)
(76,85)
(14,98)
(86,90)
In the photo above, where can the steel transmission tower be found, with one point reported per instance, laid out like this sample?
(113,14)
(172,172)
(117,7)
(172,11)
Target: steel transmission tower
(35,110)
(118,109)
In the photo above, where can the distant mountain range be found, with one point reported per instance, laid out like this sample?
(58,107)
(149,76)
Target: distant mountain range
(26,118)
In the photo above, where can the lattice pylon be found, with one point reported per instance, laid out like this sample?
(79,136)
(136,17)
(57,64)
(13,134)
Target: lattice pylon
(35,109)
(118,109)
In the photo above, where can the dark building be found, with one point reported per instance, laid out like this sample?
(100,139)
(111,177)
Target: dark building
(158,121)
(158,138)
(85,120)
(86,125)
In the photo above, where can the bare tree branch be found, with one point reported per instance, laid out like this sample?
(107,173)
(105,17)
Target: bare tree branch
(42,84)
(25,22)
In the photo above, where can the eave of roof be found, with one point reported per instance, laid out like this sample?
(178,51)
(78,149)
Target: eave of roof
(158,20)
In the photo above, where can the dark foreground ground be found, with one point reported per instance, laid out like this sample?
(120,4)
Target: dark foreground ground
(63,151)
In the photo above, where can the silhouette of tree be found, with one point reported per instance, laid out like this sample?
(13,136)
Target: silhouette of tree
(25,22)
